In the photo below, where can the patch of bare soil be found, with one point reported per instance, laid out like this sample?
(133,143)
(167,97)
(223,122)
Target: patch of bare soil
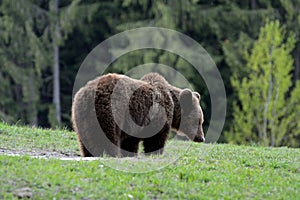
(37,153)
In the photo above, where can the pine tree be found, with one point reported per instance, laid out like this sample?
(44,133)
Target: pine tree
(290,15)
(21,61)
(261,114)
(42,28)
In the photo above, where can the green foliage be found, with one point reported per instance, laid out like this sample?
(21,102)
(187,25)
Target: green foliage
(27,57)
(261,113)
(292,120)
(21,61)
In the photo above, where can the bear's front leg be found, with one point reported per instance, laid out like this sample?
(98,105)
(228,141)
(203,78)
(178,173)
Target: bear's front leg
(155,144)
(130,146)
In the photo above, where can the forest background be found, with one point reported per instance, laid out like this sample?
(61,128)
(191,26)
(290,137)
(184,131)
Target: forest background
(254,43)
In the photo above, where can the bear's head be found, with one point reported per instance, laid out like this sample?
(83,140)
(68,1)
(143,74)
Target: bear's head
(191,115)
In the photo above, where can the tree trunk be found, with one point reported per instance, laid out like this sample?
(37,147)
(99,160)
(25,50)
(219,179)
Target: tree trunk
(267,104)
(266,108)
(297,64)
(253,4)
(56,82)
(32,111)
(274,116)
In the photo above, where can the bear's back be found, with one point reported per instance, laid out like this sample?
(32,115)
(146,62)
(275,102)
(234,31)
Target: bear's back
(130,102)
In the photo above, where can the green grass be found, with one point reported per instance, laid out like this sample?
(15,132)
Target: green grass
(203,171)
(38,140)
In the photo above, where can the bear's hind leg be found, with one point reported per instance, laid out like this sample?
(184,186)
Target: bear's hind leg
(83,150)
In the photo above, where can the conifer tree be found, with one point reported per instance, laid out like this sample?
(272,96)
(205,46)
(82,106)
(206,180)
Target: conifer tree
(261,113)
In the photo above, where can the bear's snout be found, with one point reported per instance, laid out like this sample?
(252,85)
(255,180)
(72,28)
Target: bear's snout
(199,139)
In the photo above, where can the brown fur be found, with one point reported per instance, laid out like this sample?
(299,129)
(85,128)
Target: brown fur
(83,109)
(96,127)
(183,115)
(142,99)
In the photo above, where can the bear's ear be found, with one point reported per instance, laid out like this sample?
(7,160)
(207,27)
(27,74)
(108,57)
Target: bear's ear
(196,94)
(186,99)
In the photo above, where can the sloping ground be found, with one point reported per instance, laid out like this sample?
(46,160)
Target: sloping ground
(186,171)
(34,141)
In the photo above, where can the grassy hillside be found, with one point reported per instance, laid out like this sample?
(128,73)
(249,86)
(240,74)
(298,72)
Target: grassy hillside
(202,171)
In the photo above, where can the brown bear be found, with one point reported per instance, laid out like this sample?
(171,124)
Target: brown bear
(114,113)
(84,119)
(187,113)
